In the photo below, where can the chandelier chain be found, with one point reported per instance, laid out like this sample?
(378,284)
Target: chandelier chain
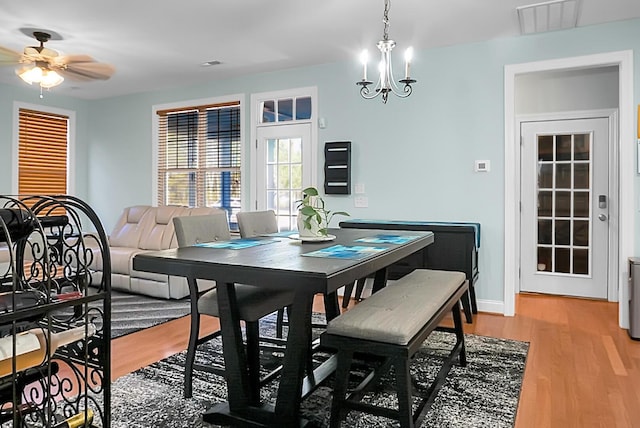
(385,20)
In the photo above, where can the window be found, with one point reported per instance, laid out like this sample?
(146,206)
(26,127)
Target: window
(42,152)
(285,109)
(199,157)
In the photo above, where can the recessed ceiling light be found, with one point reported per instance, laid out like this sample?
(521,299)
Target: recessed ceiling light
(210,63)
(548,16)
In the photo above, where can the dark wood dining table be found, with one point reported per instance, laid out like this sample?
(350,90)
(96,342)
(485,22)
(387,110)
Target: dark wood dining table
(285,264)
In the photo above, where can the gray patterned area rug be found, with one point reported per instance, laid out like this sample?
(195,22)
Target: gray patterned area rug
(133,312)
(483,394)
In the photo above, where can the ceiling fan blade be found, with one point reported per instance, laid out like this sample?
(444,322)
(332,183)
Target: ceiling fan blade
(9,57)
(86,71)
(70,59)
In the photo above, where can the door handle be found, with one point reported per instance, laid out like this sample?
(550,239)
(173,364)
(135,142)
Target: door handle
(602,217)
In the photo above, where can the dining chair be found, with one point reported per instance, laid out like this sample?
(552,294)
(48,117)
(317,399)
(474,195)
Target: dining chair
(253,302)
(256,223)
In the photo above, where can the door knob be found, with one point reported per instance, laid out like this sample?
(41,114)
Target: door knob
(602,217)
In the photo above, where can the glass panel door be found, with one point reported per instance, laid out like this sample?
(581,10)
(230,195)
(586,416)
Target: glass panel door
(564,209)
(564,200)
(283,168)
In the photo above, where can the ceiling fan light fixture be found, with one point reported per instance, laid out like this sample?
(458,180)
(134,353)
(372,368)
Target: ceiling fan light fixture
(30,75)
(51,78)
(41,74)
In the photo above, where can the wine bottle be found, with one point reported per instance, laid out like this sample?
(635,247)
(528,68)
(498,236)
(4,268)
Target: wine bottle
(38,356)
(13,300)
(82,419)
(19,223)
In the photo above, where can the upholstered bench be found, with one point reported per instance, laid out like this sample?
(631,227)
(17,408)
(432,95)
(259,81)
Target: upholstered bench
(391,325)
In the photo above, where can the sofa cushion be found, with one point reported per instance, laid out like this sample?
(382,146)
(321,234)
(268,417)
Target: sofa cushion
(128,228)
(158,232)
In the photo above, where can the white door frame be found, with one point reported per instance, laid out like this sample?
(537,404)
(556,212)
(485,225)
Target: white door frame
(612,203)
(625,147)
(256,98)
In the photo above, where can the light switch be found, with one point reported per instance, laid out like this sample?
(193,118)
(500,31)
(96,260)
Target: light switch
(358,188)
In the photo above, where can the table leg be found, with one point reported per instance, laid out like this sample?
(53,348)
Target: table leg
(290,389)
(379,280)
(235,359)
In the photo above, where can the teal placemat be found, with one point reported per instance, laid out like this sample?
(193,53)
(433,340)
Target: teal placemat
(354,252)
(388,239)
(237,244)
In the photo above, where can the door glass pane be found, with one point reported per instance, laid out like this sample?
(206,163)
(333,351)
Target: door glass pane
(563,176)
(545,147)
(581,143)
(581,177)
(563,204)
(284,179)
(581,233)
(581,262)
(545,178)
(581,204)
(271,151)
(545,204)
(563,232)
(272,176)
(544,259)
(563,147)
(544,232)
(563,260)
(564,198)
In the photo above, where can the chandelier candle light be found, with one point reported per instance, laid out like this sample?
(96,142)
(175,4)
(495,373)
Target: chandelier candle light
(385,83)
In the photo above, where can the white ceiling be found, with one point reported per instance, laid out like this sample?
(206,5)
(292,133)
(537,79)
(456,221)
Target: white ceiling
(156,44)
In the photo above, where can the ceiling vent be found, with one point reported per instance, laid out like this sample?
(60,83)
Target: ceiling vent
(548,16)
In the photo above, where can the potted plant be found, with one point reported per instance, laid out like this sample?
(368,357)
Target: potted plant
(313,217)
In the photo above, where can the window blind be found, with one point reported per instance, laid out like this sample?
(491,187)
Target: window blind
(199,156)
(42,153)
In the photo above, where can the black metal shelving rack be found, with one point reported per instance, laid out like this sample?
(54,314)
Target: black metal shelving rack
(50,243)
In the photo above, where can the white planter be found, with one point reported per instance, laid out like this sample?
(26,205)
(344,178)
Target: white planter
(315,227)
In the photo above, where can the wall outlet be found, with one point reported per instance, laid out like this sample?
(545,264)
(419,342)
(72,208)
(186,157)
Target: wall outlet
(361,202)
(358,188)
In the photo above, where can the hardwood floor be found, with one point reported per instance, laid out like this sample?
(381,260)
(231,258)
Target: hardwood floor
(582,369)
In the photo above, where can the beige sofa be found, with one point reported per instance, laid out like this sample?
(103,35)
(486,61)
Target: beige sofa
(143,228)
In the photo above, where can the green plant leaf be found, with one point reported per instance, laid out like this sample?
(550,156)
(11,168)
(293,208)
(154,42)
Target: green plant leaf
(310,191)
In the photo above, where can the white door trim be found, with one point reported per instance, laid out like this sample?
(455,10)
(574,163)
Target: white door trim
(625,157)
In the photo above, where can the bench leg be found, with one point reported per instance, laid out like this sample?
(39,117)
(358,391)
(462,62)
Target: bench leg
(457,325)
(472,296)
(403,384)
(340,388)
(466,306)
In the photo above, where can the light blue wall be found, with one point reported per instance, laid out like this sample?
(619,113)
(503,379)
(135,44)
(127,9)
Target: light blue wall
(415,156)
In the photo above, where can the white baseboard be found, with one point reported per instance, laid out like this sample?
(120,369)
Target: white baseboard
(491,306)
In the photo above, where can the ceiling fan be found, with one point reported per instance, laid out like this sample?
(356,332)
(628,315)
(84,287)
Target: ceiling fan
(48,68)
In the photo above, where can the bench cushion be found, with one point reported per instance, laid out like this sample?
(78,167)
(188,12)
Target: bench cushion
(396,313)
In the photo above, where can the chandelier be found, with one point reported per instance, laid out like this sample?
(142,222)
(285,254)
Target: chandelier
(386,83)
